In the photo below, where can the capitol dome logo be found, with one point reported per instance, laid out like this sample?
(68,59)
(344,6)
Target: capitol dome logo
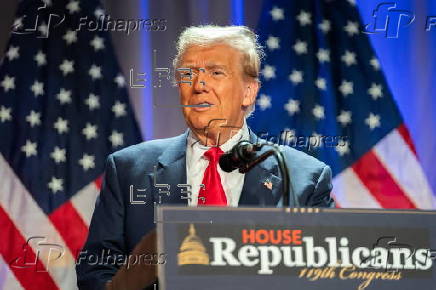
(192,250)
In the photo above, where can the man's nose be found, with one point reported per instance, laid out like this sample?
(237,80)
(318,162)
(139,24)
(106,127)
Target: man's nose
(200,84)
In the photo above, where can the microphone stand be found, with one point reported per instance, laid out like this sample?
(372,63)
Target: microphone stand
(287,187)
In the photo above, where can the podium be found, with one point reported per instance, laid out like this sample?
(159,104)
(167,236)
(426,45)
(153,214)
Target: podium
(299,248)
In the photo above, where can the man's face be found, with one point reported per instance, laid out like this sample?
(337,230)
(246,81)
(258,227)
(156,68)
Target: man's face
(217,79)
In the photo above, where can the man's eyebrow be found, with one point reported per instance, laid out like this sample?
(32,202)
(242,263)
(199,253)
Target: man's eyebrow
(208,66)
(212,65)
(186,65)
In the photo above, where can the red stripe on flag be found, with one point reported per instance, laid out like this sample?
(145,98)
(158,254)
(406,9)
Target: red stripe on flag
(71,227)
(20,257)
(98,182)
(404,132)
(380,183)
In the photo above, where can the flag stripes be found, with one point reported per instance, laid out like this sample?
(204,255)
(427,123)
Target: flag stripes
(392,160)
(11,249)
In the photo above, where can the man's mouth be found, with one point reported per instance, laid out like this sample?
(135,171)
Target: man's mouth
(200,106)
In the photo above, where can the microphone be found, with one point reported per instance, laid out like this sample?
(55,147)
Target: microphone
(241,154)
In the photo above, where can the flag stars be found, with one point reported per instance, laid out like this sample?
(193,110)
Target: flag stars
(318,112)
(119,109)
(321,84)
(120,80)
(325,26)
(13,53)
(61,125)
(92,102)
(277,13)
(343,149)
(95,72)
(273,43)
(344,118)
(73,6)
(56,184)
(40,58)
(97,43)
(64,96)
(29,148)
(269,72)
(349,58)
(5,114)
(116,139)
(58,155)
(67,67)
(346,88)
(292,106)
(375,91)
(70,37)
(264,102)
(296,77)
(34,118)
(8,83)
(90,131)
(37,88)
(18,24)
(87,162)
(323,55)
(304,18)
(43,29)
(300,47)
(373,121)
(352,28)
(375,63)
(99,12)
(47,2)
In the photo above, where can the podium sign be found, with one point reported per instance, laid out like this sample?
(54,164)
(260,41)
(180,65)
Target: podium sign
(270,248)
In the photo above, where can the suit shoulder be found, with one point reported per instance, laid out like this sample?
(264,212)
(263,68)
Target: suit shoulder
(144,149)
(301,159)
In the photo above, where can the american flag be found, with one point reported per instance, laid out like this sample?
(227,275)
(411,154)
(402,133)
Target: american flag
(321,78)
(63,108)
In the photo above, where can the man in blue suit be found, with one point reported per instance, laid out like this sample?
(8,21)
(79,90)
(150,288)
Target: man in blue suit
(217,75)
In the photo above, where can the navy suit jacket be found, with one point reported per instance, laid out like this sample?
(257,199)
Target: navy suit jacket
(118,225)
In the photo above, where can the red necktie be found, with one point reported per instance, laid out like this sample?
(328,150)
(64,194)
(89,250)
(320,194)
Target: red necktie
(213,192)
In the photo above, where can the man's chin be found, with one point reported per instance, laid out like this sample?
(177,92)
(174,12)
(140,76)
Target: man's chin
(215,129)
(204,122)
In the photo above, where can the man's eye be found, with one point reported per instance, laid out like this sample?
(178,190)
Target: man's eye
(185,74)
(216,73)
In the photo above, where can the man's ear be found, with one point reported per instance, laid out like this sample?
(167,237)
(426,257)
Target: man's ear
(250,92)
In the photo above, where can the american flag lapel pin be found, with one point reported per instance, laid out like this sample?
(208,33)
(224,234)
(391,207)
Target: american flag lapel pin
(268,184)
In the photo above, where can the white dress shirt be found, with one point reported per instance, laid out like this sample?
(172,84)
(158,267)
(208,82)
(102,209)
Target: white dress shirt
(196,164)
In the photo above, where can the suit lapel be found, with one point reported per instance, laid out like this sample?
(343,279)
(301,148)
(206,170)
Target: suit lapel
(261,188)
(171,172)
(262,185)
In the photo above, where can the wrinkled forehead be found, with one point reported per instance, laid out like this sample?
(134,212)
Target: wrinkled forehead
(211,56)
